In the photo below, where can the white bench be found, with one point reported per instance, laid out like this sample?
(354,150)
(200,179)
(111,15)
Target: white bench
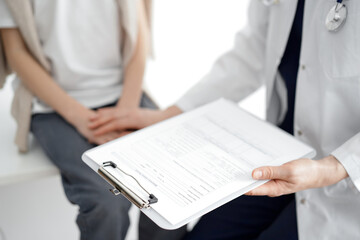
(32,201)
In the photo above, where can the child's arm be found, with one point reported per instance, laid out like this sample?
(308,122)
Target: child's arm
(135,69)
(41,83)
(133,77)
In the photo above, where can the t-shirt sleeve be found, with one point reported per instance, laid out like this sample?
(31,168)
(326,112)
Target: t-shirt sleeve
(6,19)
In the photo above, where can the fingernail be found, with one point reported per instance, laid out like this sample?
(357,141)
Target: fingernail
(258,174)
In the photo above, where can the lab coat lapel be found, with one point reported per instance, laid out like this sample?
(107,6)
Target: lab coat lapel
(281,19)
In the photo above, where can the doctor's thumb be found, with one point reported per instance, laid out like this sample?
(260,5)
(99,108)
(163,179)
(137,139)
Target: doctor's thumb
(264,173)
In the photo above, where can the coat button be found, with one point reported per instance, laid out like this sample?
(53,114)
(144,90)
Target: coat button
(299,132)
(303,201)
(303,67)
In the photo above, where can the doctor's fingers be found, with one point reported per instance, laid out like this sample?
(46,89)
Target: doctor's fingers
(273,188)
(279,177)
(268,172)
(299,171)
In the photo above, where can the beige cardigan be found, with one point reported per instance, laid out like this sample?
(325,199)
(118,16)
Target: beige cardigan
(22,13)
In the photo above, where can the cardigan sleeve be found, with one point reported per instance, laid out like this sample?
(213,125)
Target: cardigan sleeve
(128,20)
(6,19)
(4,67)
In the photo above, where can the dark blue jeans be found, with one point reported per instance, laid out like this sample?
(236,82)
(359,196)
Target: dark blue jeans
(250,217)
(101,214)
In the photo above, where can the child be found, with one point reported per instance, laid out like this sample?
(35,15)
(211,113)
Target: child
(76,57)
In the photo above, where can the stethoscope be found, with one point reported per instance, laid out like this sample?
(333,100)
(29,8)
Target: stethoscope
(335,19)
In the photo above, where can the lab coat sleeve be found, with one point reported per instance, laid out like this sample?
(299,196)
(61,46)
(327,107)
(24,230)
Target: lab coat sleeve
(349,156)
(239,72)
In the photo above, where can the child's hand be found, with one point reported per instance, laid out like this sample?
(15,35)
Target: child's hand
(106,121)
(103,116)
(81,121)
(123,119)
(98,140)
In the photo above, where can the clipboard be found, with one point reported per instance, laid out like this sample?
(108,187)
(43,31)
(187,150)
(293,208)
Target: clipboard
(145,204)
(149,167)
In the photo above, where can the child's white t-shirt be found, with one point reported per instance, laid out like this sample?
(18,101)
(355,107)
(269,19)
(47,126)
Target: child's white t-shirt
(82,41)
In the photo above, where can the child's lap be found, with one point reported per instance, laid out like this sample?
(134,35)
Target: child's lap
(64,146)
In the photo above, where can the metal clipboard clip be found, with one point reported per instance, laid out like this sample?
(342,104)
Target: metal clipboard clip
(119,187)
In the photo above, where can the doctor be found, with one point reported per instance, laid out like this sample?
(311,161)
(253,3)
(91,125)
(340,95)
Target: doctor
(308,57)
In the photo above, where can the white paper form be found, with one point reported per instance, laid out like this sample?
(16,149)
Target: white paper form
(194,160)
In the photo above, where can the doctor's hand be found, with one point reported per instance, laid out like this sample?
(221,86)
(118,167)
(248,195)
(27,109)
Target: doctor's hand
(127,120)
(298,175)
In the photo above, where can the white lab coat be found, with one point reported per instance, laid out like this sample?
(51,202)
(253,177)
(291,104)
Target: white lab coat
(327,108)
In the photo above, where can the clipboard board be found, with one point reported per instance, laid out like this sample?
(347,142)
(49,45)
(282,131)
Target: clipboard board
(184,167)
(145,204)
